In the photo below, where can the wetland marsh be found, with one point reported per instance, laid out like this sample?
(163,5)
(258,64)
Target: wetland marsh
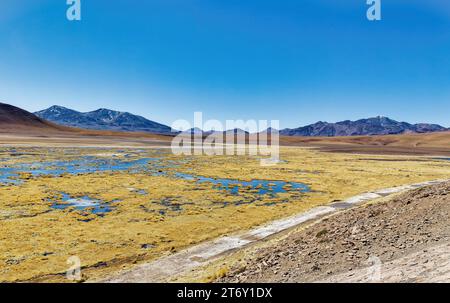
(118,207)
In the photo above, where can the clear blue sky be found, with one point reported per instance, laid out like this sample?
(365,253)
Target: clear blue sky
(298,61)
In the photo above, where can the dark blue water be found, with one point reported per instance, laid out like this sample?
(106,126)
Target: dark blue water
(88,164)
(263,187)
(9,176)
(84,165)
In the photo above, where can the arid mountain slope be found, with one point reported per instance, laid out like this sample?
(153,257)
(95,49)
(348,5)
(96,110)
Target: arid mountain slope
(15,121)
(398,240)
(13,118)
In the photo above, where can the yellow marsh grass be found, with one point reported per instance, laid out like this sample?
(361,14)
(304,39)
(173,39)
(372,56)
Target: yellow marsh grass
(36,240)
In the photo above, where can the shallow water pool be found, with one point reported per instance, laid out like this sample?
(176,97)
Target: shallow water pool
(88,164)
(262,187)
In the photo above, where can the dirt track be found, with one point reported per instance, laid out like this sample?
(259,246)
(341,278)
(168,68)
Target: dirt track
(406,239)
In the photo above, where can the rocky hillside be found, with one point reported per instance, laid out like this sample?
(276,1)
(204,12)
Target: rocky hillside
(408,236)
(363,127)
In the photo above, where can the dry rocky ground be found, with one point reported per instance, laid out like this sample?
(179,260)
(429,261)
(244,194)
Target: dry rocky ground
(405,239)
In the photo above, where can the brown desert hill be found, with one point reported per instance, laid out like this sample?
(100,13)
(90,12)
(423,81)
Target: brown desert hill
(13,119)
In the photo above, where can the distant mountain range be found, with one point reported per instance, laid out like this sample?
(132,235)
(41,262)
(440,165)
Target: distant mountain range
(363,127)
(106,119)
(102,119)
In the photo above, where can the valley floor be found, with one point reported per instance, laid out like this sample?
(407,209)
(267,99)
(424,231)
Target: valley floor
(157,209)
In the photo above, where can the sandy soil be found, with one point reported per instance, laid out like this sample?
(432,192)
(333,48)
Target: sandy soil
(434,144)
(406,144)
(91,139)
(406,239)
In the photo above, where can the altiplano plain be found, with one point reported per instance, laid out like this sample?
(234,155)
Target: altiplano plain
(116,207)
(224,142)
